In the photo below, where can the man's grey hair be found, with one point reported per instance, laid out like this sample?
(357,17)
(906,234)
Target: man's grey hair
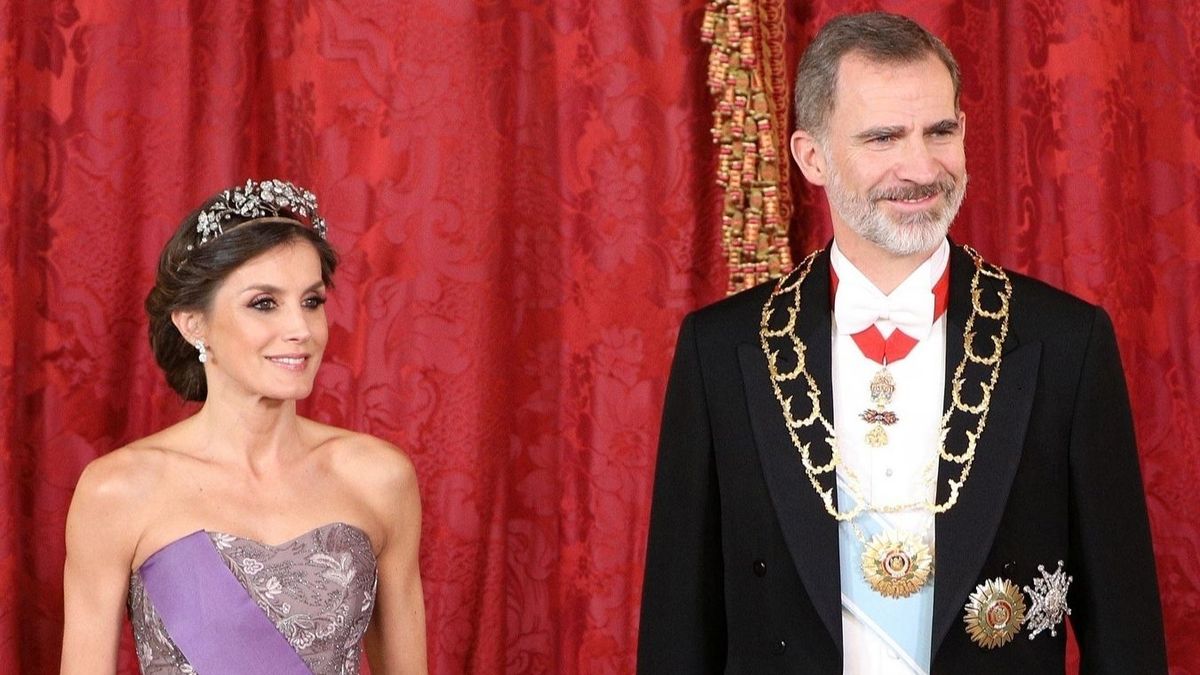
(880,37)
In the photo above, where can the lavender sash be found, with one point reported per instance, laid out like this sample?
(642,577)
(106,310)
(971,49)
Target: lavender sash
(210,616)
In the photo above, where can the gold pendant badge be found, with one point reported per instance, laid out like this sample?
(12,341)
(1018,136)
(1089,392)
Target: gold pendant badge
(896,565)
(883,387)
(877,436)
(995,613)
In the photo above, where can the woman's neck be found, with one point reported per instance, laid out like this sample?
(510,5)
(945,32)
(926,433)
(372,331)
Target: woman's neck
(255,432)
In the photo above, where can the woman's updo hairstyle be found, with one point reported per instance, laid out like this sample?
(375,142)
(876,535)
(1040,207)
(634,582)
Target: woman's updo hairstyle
(205,250)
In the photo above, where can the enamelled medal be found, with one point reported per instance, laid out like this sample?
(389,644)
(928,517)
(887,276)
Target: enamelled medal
(894,564)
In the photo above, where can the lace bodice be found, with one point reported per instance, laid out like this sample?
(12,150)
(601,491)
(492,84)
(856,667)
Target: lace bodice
(318,589)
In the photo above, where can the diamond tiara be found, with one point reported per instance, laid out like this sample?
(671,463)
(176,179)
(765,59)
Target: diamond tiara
(269,198)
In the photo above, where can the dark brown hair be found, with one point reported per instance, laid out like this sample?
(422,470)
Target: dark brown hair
(188,280)
(881,37)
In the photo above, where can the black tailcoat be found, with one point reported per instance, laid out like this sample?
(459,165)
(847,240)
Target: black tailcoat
(742,562)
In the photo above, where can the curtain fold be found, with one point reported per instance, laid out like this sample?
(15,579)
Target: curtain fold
(524,198)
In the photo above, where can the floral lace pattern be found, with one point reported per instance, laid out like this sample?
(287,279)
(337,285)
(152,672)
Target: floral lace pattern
(318,589)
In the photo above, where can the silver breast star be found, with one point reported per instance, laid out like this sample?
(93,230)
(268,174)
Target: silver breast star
(1049,595)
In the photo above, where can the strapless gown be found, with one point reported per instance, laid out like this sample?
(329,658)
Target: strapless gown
(215,604)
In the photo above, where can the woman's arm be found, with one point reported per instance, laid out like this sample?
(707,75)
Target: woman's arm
(101,537)
(396,637)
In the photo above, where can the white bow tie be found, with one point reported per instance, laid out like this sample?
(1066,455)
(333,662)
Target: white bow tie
(856,309)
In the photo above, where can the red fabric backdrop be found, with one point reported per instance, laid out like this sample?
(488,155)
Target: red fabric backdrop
(522,194)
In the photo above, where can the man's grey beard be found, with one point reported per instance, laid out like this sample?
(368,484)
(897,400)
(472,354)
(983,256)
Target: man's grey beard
(906,234)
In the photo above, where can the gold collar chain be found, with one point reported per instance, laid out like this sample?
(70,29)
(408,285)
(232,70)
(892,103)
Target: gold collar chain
(959,410)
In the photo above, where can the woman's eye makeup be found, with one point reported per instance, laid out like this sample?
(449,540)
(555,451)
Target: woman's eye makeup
(262,302)
(267,302)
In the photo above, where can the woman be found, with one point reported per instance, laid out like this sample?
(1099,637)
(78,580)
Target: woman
(246,539)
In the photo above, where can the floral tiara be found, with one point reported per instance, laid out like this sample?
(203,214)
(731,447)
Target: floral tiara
(270,198)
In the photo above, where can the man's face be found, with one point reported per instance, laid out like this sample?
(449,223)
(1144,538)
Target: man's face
(894,165)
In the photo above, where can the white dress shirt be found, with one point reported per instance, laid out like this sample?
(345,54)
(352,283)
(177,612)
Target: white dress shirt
(900,471)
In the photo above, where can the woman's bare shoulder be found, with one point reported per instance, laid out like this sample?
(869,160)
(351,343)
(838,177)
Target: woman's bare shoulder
(122,481)
(374,461)
(109,510)
(379,474)
(362,456)
(125,474)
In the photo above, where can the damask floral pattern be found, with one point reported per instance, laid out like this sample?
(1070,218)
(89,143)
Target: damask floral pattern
(318,590)
(522,196)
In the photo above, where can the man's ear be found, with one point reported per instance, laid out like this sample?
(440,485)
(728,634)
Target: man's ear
(807,154)
(190,324)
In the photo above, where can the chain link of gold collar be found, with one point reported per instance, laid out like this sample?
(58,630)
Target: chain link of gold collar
(979,410)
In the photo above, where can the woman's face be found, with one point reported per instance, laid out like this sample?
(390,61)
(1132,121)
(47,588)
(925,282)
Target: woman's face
(266,328)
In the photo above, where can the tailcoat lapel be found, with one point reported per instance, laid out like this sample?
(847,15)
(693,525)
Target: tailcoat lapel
(965,533)
(811,533)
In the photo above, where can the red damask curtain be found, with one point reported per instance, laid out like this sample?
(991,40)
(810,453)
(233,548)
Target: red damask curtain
(524,199)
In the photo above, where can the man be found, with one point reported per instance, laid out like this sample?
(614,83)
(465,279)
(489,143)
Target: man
(900,459)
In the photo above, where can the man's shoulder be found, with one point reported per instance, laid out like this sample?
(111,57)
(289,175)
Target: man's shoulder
(1036,303)
(735,318)
(1041,311)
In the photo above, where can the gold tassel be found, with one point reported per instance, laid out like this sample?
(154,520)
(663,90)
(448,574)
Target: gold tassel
(749,127)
